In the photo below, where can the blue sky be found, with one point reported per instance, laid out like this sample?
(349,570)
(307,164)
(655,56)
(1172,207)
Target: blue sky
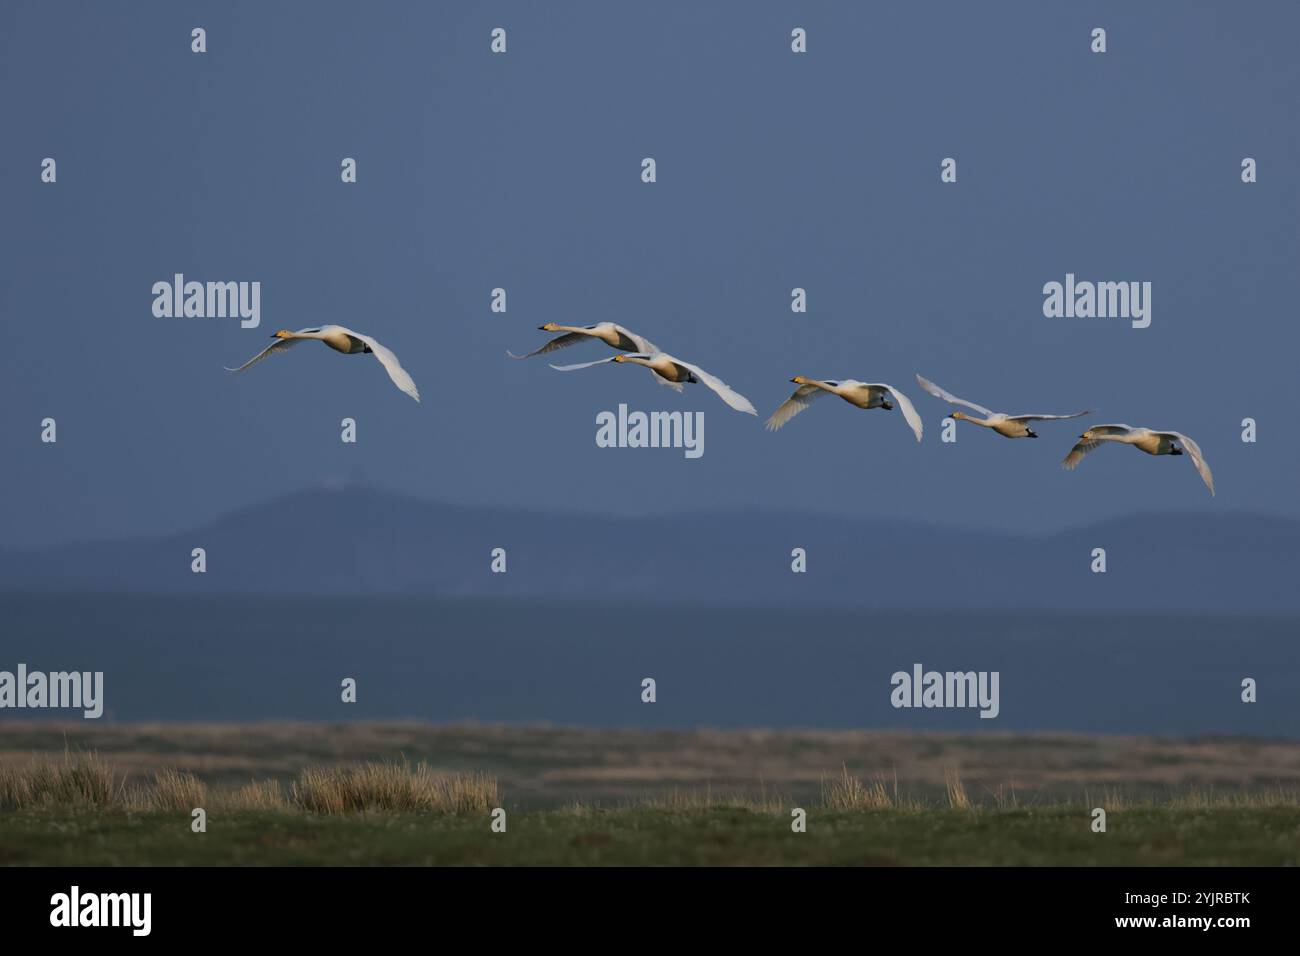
(522,171)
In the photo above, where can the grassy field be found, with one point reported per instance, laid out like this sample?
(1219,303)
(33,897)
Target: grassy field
(415,794)
(721,835)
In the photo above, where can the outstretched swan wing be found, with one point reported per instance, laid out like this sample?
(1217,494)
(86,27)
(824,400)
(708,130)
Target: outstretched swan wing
(1194,452)
(559,342)
(1083,446)
(937,392)
(389,361)
(643,344)
(574,368)
(905,406)
(803,397)
(724,391)
(279,345)
(1045,418)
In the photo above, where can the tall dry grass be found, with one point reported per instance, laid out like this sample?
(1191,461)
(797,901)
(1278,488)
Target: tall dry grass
(392,786)
(176,790)
(957,798)
(79,780)
(847,792)
(85,779)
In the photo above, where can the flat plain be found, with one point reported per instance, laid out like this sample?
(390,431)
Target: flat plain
(410,793)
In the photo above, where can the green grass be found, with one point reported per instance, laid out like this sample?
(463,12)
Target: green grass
(727,835)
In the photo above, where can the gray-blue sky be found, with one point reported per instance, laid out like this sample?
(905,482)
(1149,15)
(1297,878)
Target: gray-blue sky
(522,171)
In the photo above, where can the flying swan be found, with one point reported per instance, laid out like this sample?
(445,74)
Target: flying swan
(1008,426)
(675,372)
(861,394)
(1149,441)
(611,333)
(340,340)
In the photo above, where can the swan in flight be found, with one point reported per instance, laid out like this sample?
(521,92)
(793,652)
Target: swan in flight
(611,333)
(1149,441)
(341,340)
(861,394)
(675,372)
(1008,426)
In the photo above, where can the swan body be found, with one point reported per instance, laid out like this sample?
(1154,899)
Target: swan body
(343,340)
(1008,426)
(1144,439)
(860,394)
(611,333)
(675,372)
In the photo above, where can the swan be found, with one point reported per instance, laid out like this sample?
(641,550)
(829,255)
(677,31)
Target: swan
(341,340)
(611,333)
(1148,440)
(675,372)
(861,394)
(1008,426)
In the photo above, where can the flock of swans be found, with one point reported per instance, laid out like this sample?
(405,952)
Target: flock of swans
(675,373)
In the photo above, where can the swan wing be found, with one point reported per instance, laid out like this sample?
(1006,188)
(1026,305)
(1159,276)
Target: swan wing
(389,361)
(643,344)
(1194,452)
(1081,448)
(724,391)
(1045,418)
(938,392)
(803,396)
(559,342)
(279,345)
(905,406)
(645,347)
(574,368)
(1085,445)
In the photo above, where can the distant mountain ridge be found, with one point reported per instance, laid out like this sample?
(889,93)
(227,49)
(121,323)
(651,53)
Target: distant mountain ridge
(369,542)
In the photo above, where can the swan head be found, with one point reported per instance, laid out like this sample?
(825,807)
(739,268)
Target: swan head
(958,416)
(548,327)
(798,379)
(283,334)
(620,358)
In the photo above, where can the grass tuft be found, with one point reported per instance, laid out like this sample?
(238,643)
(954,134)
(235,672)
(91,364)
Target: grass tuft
(957,798)
(392,786)
(176,790)
(80,780)
(847,792)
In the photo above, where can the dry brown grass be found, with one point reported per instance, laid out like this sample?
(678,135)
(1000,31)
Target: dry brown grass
(392,786)
(79,780)
(957,798)
(176,790)
(847,792)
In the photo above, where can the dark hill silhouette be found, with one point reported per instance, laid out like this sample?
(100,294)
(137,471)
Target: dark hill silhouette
(360,541)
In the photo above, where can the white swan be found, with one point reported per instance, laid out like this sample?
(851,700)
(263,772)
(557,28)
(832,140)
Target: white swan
(1150,441)
(341,340)
(675,372)
(611,333)
(1008,426)
(861,394)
